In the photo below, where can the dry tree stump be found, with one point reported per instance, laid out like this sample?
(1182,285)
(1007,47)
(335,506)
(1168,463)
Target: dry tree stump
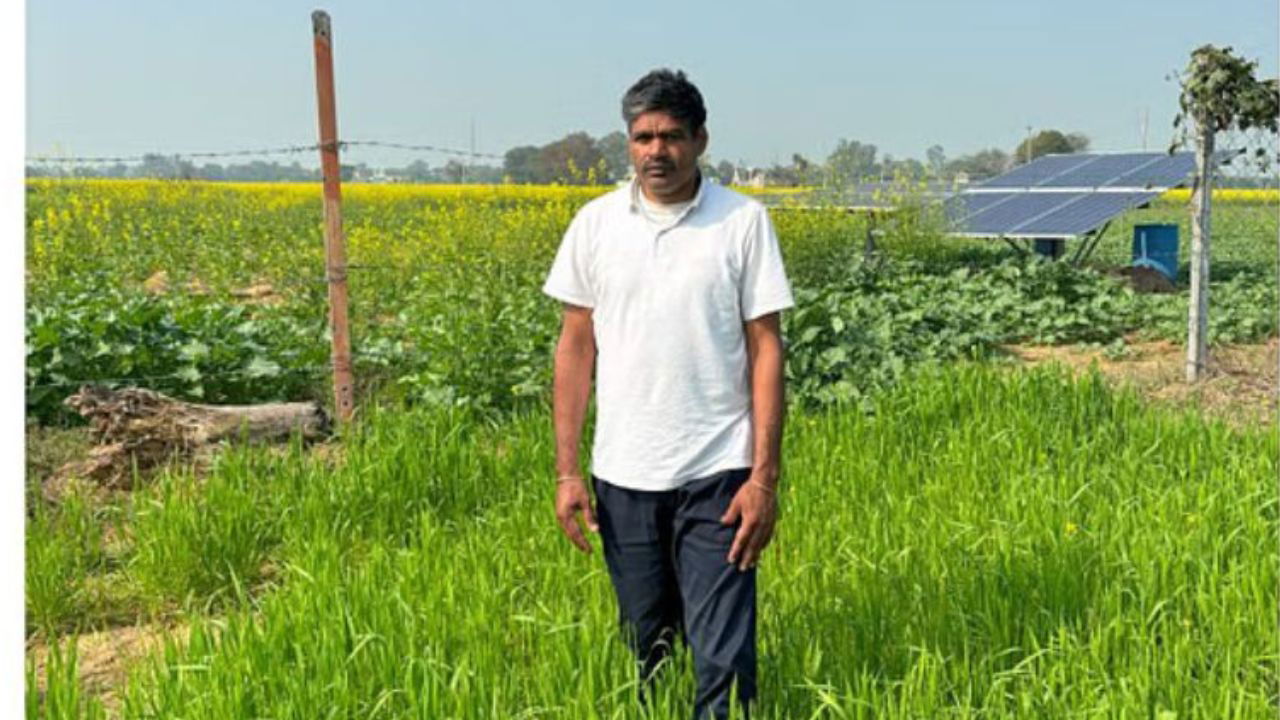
(136,428)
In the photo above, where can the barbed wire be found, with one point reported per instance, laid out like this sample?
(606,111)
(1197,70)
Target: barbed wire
(112,159)
(249,152)
(419,148)
(1253,155)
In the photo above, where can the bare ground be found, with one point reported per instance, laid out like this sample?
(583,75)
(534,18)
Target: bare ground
(104,658)
(1240,388)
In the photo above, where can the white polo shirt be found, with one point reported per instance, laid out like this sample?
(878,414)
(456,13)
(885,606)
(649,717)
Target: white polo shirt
(673,400)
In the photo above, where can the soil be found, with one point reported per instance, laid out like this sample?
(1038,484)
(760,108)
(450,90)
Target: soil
(104,658)
(1241,387)
(1147,280)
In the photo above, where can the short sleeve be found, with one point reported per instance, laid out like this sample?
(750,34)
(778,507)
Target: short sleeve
(765,288)
(570,277)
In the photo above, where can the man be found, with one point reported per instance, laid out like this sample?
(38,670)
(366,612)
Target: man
(672,288)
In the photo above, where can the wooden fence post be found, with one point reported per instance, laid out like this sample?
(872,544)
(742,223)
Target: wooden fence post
(335,252)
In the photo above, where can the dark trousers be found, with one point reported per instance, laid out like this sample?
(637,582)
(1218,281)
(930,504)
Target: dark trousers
(667,554)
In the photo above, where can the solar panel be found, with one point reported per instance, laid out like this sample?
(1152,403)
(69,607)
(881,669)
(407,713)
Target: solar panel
(959,207)
(1090,170)
(1004,218)
(1037,171)
(1165,172)
(1059,196)
(1083,214)
(1044,214)
(1104,169)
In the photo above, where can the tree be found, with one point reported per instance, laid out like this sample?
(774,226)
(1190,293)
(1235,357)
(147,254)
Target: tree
(1219,92)
(417,171)
(568,159)
(484,174)
(724,170)
(521,164)
(908,169)
(1048,142)
(936,159)
(1078,141)
(212,171)
(617,161)
(982,164)
(157,166)
(852,161)
(806,172)
(454,171)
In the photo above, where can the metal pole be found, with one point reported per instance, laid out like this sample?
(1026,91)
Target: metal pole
(335,252)
(1201,196)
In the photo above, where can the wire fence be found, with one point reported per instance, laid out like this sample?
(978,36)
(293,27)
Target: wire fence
(145,157)
(1262,146)
(419,148)
(48,159)
(90,161)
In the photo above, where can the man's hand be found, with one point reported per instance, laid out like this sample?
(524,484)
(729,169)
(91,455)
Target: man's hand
(756,505)
(572,498)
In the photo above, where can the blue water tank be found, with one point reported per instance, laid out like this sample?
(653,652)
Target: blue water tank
(1156,247)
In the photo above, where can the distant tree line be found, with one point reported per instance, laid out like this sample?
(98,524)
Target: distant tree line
(852,161)
(170,167)
(575,159)
(580,159)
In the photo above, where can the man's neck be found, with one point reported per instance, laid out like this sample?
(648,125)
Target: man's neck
(684,194)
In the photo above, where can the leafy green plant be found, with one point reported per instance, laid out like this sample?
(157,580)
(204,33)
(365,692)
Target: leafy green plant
(192,347)
(446,308)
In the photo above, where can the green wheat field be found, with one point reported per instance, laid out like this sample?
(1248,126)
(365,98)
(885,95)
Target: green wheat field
(960,537)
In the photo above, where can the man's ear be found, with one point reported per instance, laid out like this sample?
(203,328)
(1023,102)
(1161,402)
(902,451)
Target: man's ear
(700,138)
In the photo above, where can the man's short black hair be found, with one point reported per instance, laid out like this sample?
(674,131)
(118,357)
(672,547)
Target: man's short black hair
(668,92)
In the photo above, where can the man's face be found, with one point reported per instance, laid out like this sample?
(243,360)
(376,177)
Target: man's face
(665,155)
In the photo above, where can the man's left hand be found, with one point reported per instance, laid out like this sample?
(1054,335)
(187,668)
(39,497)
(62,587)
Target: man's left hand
(755,504)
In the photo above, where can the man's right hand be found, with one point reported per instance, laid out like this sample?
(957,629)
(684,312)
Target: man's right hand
(572,498)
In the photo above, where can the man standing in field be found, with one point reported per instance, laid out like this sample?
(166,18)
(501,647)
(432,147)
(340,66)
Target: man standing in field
(672,287)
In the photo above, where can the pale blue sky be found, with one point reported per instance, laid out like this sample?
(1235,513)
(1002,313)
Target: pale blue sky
(111,77)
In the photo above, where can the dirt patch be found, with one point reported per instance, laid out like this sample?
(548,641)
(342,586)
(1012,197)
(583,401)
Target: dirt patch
(260,293)
(104,658)
(157,283)
(49,448)
(1145,280)
(1240,388)
(331,453)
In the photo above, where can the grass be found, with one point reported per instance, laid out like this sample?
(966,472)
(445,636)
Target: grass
(967,542)
(981,544)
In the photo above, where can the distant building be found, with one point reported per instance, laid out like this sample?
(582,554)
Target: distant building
(749,177)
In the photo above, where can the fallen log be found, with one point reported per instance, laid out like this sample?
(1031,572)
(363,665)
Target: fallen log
(136,428)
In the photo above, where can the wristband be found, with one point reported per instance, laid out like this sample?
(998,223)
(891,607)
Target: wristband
(764,487)
(566,478)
